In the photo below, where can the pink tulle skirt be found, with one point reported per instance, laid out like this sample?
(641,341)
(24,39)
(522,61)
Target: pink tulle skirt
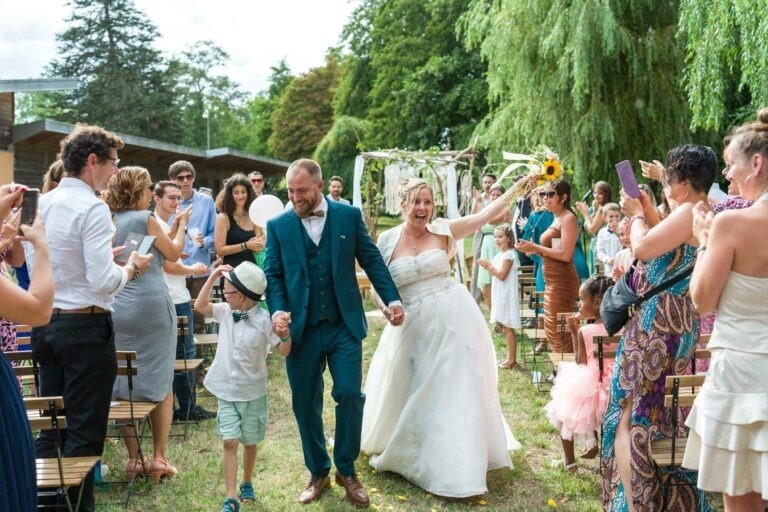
(579,401)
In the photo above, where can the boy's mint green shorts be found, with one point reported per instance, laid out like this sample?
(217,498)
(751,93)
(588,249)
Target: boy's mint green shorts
(246,421)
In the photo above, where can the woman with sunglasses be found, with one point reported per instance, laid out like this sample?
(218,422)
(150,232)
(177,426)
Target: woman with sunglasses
(556,248)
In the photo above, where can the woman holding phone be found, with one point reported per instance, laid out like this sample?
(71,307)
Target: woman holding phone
(147,298)
(658,340)
(556,248)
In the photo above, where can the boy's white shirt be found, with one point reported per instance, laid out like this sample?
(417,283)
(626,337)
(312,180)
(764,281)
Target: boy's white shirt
(239,369)
(607,246)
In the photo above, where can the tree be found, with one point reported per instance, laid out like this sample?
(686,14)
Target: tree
(125,83)
(305,113)
(261,109)
(726,60)
(597,81)
(202,93)
(409,77)
(337,151)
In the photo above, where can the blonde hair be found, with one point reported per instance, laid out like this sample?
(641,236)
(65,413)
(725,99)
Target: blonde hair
(409,188)
(125,190)
(508,232)
(53,176)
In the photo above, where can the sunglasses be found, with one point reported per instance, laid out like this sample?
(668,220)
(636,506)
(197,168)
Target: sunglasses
(257,180)
(549,194)
(184,177)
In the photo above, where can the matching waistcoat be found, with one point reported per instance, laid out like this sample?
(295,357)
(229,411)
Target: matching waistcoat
(322,294)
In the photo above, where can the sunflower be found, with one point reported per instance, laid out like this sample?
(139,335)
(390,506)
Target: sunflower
(551,169)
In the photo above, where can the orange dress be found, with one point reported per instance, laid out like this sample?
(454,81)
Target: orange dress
(561,290)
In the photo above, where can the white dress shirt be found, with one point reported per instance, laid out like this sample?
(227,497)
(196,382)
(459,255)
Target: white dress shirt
(79,229)
(341,199)
(239,369)
(314,225)
(607,246)
(177,285)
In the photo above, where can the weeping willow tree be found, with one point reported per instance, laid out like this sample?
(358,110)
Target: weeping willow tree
(597,80)
(727,60)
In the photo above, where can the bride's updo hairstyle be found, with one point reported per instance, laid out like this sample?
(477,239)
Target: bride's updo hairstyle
(409,189)
(752,137)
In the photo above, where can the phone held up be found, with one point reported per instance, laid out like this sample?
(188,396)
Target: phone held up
(29,206)
(627,179)
(586,196)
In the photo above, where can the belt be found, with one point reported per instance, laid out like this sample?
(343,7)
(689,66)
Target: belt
(88,310)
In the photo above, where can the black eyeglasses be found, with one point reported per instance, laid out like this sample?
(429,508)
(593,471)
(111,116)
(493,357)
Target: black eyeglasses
(549,194)
(184,177)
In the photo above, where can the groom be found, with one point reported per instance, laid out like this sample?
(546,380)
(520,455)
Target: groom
(313,295)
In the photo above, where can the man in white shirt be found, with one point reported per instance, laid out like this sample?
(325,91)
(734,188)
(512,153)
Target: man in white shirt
(257,180)
(167,198)
(76,350)
(335,186)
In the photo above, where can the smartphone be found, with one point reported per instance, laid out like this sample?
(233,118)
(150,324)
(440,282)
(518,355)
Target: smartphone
(29,206)
(142,244)
(627,179)
(586,196)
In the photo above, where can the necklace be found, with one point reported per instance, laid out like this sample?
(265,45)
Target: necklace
(415,239)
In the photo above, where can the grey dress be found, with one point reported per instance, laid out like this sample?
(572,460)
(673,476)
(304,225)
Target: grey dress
(145,320)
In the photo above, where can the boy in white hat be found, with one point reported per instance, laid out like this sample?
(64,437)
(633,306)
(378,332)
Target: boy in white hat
(238,375)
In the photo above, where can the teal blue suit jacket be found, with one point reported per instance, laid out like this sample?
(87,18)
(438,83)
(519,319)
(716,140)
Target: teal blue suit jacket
(285,266)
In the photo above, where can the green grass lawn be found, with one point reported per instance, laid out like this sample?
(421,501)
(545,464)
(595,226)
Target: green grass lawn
(280,473)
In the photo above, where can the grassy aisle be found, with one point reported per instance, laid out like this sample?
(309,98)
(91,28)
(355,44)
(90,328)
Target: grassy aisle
(280,472)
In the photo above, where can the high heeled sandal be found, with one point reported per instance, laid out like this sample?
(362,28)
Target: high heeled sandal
(589,454)
(135,468)
(573,467)
(160,468)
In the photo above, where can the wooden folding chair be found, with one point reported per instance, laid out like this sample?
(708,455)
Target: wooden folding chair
(27,370)
(56,475)
(131,413)
(181,367)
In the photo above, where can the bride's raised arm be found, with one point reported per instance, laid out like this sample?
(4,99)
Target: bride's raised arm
(491,214)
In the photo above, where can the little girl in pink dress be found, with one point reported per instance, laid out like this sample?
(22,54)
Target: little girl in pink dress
(579,396)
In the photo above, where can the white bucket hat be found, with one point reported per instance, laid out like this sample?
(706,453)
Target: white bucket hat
(249,279)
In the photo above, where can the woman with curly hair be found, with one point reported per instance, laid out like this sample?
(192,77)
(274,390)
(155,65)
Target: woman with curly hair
(145,317)
(236,237)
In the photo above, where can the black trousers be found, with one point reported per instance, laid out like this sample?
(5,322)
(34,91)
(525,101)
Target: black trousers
(76,354)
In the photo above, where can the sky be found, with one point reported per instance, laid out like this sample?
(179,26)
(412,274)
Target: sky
(255,33)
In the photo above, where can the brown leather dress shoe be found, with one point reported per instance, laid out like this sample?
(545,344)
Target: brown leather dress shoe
(355,491)
(315,488)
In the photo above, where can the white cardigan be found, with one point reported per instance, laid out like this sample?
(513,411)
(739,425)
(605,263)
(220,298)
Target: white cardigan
(388,239)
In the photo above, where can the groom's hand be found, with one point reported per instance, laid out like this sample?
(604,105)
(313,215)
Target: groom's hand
(280,324)
(395,315)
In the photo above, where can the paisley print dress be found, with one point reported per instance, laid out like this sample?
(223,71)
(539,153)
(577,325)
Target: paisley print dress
(659,340)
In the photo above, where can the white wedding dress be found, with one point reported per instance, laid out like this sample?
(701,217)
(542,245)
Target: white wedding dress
(432,411)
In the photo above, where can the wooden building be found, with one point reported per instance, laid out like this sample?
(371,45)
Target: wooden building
(26,150)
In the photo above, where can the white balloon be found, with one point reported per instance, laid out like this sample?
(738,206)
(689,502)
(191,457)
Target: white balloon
(265,208)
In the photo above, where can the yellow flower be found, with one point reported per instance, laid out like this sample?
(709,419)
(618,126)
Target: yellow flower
(551,169)
(552,503)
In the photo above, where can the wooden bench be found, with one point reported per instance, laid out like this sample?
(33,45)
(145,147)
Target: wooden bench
(56,475)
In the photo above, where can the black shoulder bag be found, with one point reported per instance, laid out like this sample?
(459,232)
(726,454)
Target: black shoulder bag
(620,300)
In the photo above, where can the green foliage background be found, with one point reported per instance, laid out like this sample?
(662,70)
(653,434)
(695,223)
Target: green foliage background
(597,80)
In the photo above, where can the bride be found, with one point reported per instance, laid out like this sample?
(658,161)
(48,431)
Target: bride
(432,411)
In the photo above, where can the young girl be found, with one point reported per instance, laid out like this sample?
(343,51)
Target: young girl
(578,397)
(504,294)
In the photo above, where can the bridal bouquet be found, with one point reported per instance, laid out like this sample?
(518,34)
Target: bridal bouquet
(543,165)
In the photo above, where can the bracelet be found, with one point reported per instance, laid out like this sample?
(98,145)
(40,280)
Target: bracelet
(285,340)
(242,246)
(700,249)
(136,272)
(636,217)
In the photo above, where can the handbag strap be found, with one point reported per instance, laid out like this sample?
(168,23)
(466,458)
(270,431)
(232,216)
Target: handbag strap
(663,286)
